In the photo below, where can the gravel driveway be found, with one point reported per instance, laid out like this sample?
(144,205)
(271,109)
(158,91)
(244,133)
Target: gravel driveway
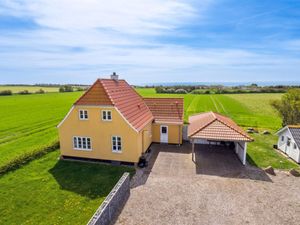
(215,190)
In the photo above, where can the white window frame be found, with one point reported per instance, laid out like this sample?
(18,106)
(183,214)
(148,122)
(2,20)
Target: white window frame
(118,147)
(83,114)
(282,138)
(78,143)
(105,114)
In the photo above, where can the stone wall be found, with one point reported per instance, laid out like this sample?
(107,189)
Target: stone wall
(113,203)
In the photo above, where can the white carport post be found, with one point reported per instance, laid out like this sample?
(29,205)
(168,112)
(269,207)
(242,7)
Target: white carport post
(193,150)
(245,153)
(241,151)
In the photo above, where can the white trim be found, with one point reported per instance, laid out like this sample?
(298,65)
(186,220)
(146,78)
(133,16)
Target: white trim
(84,111)
(106,120)
(112,146)
(169,123)
(126,120)
(281,130)
(82,149)
(65,117)
(95,106)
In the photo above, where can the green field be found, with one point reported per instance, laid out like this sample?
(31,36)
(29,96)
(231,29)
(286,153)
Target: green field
(29,122)
(31,89)
(248,110)
(48,191)
(72,191)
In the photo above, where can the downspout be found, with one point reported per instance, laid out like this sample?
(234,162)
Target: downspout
(179,135)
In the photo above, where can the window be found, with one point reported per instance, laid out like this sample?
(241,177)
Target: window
(163,130)
(106,115)
(116,144)
(83,114)
(288,143)
(295,146)
(282,138)
(82,143)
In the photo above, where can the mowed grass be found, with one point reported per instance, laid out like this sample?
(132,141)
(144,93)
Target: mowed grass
(48,191)
(32,89)
(28,123)
(247,110)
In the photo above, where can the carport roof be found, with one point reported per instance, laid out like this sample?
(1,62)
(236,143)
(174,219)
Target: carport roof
(214,126)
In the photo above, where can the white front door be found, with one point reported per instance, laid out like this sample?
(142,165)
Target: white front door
(163,134)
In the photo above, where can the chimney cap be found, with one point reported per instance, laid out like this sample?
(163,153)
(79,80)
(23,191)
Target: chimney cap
(114,76)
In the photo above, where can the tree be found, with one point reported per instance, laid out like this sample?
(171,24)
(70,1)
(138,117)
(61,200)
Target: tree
(66,88)
(289,107)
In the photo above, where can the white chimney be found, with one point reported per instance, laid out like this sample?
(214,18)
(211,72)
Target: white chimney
(114,76)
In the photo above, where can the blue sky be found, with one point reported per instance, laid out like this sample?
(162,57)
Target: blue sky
(75,41)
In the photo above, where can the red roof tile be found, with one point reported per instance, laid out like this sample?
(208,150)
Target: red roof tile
(121,95)
(213,126)
(166,110)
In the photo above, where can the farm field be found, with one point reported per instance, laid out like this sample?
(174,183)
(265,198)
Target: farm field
(28,123)
(32,89)
(47,191)
(248,110)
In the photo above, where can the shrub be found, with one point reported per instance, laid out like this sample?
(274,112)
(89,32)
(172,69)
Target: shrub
(27,157)
(66,88)
(6,92)
(25,92)
(181,91)
(41,91)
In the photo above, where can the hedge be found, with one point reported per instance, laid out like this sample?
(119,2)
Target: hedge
(27,157)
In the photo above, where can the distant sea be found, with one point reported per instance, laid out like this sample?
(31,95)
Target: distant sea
(228,84)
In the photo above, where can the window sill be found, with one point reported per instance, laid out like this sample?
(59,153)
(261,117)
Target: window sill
(119,152)
(81,149)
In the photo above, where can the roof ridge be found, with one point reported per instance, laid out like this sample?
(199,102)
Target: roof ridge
(214,115)
(106,91)
(85,93)
(206,125)
(140,98)
(233,128)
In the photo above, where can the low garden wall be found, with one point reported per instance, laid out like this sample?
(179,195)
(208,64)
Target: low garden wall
(113,203)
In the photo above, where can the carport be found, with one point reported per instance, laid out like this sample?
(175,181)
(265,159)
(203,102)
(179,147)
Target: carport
(215,129)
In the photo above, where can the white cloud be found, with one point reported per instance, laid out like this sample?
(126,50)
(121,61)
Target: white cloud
(116,35)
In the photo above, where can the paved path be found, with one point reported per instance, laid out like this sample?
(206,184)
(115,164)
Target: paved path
(178,192)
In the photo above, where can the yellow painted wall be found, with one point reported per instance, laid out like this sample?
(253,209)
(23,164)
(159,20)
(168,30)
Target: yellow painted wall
(100,133)
(174,133)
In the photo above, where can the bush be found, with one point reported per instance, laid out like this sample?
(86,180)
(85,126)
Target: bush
(66,88)
(41,91)
(6,92)
(181,91)
(25,92)
(27,157)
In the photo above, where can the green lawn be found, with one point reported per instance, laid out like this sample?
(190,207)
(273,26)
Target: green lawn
(48,191)
(32,89)
(28,123)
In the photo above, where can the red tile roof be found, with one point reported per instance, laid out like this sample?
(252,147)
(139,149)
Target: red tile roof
(214,126)
(166,110)
(121,95)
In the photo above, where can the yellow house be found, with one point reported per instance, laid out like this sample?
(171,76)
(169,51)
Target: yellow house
(112,122)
